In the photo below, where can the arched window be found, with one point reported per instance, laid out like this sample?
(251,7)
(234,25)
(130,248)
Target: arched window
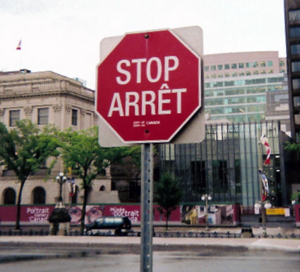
(102,188)
(9,196)
(39,195)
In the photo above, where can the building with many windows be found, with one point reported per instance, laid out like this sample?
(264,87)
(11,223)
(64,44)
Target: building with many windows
(245,96)
(47,98)
(236,84)
(292,30)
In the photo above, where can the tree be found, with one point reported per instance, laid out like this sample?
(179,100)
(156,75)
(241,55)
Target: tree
(167,195)
(87,159)
(24,150)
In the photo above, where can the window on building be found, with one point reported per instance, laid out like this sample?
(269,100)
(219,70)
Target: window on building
(295,66)
(219,93)
(272,80)
(213,68)
(206,76)
(241,74)
(281,63)
(220,176)
(220,67)
(43,116)
(263,72)
(294,32)
(220,75)
(260,81)
(198,177)
(227,75)
(270,71)
(296,84)
(217,111)
(14,117)
(39,195)
(297,102)
(74,199)
(227,66)
(236,100)
(294,15)
(248,73)
(270,63)
(213,76)
(229,83)
(262,64)
(295,49)
(213,102)
(9,196)
(234,74)
(233,66)
(255,64)
(218,84)
(282,71)
(255,72)
(206,68)
(74,117)
(248,64)
(241,65)
(209,93)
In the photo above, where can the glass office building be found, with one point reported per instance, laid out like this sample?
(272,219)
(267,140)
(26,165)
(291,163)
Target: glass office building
(225,165)
(236,84)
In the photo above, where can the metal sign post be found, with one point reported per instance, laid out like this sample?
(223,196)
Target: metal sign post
(152,94)
(147,208)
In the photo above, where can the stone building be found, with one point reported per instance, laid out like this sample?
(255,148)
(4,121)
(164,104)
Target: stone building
(45,98)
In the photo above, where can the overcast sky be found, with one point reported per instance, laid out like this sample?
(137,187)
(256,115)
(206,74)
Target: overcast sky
(63,36)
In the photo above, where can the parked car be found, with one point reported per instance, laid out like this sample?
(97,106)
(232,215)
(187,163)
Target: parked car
(120,225)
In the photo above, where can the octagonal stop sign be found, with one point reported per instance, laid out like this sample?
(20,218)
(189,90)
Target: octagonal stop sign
(148,87)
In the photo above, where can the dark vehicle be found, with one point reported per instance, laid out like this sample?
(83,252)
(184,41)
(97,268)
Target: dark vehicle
(121,225)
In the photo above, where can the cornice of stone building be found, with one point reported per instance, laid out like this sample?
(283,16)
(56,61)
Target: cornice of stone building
(42,84)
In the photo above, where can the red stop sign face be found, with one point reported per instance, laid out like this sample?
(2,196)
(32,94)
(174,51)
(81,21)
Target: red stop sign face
(148,87)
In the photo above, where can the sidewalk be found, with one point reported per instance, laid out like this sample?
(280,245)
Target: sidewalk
(132,244)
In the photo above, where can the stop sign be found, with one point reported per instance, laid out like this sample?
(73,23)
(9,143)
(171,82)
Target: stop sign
(148,87)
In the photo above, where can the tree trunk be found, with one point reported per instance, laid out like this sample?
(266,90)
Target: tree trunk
(22,183)
(86,191)
(167,220)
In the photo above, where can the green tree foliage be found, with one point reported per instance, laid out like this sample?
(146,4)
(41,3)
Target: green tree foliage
(24,150)
(292,146)
(88,160)
(167,195)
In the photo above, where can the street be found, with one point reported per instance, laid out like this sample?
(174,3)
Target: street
(206,260)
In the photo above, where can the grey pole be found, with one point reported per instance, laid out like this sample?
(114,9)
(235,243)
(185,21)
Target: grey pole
(146,208)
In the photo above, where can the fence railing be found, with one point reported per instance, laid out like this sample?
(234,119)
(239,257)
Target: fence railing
(166,234)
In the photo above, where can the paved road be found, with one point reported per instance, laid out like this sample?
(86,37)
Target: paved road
(225,261)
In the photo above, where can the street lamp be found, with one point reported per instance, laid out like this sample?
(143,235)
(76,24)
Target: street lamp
(263,206)
(206,198)
(61,179)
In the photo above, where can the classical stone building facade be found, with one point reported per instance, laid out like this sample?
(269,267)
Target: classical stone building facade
(45,98)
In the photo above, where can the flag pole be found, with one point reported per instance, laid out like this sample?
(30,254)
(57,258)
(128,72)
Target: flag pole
(18,48)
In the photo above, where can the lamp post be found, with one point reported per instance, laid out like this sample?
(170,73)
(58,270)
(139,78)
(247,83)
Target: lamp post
(263,205)
(61,179)
(206,198)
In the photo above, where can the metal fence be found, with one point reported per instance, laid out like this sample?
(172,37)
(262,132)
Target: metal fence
(166,234)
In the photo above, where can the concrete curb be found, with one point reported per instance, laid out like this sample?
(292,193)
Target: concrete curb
(130,244)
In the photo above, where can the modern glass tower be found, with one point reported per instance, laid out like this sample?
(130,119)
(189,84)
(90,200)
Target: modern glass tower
(236,84)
